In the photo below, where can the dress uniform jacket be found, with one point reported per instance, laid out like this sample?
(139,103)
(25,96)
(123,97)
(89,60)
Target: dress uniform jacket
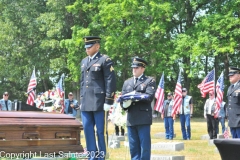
(140,112)
(3,105)
(233,108)
(98,83)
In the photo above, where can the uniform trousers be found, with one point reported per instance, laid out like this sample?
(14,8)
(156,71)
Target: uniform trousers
(235,131)
(89,120)
(169,131)
(185,123)
(139,142)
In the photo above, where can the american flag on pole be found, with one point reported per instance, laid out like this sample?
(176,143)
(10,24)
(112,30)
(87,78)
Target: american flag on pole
(207,84)
(219,91)
(178,96)
(59,87)
(31,89)
(159,95)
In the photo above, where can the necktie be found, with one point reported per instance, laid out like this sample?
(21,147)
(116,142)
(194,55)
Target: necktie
(89,60)
(136,79)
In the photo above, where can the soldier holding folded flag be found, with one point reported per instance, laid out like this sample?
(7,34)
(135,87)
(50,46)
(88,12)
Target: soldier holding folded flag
(141,89)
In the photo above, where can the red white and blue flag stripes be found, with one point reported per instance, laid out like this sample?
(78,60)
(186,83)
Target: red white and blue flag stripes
(219,91)
(159,95)
(207,84)
(31,89)
(178,96)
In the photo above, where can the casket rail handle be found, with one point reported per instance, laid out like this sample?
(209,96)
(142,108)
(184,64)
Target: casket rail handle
(2,136)
(63,135)
(31,135)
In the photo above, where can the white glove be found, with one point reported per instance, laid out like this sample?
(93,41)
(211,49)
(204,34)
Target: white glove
(127,103)
(106,107)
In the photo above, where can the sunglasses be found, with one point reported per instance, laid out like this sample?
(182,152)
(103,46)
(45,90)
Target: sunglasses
(183,91)
(5,94)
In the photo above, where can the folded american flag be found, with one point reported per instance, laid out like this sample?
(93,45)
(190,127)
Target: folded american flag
(133,96)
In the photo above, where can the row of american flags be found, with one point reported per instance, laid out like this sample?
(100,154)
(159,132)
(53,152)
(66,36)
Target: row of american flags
(32,89)
(207,85)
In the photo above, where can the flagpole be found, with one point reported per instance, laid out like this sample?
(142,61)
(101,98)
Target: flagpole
(62,76)
(214,87)
(36,83)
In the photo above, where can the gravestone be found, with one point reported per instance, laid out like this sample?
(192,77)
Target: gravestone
(210,142)
(168,146)
(126,143)
(114,144)
(166,157)
(205,137)
(162,135)
(115,137)
(220,136)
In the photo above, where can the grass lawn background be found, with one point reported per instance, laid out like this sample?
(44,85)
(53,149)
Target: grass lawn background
(194,149)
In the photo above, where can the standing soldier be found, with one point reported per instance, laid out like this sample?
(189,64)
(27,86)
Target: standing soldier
(233,108)
(98,86)
(139,117)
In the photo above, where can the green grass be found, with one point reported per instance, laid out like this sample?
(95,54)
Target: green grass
(195,149)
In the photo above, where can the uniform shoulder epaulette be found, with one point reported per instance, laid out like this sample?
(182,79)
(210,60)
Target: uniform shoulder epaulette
(106,57)
(152,78)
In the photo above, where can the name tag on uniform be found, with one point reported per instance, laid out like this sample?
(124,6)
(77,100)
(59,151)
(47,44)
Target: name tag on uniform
(96,64)
(142,86)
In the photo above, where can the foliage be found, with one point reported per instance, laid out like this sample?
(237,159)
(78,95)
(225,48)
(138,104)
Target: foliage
(192,36)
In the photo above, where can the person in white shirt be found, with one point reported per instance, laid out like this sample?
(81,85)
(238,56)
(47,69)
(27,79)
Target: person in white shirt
(209,109)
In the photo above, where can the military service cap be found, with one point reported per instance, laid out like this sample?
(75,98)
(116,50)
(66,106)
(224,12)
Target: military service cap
(91,40)
(233,70)
(138,62)
(170,94)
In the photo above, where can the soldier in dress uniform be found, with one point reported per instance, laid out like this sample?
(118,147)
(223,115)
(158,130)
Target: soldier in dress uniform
(233,108)
(98,86)
(139,117)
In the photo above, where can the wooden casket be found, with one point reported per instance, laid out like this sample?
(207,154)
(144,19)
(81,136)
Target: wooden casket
(39,133)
